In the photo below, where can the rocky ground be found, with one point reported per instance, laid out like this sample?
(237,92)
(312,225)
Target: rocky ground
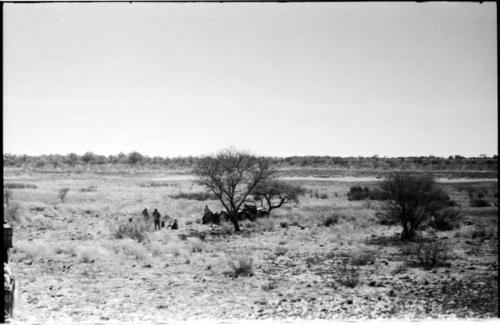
(68,267)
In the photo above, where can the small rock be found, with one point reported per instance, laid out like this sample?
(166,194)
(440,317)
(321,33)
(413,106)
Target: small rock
(349,301)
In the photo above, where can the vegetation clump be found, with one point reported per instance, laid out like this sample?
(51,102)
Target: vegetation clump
(241,266)
(132,231)
(62,193)
(357,193)
(412,199)
(197,196)
(428,253)
(446,219)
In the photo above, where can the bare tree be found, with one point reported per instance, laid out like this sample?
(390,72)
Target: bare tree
(276,193)
(232,175)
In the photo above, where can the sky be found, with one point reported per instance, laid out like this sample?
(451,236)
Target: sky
(276,79)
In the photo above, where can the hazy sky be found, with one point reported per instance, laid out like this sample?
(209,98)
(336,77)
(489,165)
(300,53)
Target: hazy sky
(274,78)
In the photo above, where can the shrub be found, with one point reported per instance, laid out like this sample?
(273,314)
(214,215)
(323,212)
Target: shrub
(61,194)
(277,193)
(198,196)
(357,193)
(131,248)
(430,253)
(34,250)
(400,269)
(280,250)
(87,254)
(412,199)
(12,213)
(19,186)
(242,266)
(482,232)
(446,219)
(332,219)
(155,184)
(283,224)
(348,275)
(132,231)
(387,219)
(40,222)
(266,224)
(91,188)
(269,285)
(365,257)
(196,245)
(479,203)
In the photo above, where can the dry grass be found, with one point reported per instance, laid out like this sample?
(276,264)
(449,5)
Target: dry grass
(284,260)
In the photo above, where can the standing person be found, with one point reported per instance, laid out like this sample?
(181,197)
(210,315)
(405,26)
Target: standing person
(145,214)
(156,217)
(207,210)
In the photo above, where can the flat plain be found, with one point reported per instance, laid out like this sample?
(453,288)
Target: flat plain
(323,258)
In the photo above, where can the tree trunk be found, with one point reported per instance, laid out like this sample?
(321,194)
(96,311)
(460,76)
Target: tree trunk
(234,219)
(406,234)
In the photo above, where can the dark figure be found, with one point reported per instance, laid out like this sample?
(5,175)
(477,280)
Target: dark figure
(145,214)
(174,225)
(207,216)
(162,224)
(156,217)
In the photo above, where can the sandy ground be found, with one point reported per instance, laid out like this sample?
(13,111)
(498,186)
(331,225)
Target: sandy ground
(70,268)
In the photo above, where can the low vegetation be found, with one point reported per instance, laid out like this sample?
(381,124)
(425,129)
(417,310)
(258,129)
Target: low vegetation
(197,196)
(320,257)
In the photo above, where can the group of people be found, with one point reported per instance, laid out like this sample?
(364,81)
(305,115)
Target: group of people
(157,219)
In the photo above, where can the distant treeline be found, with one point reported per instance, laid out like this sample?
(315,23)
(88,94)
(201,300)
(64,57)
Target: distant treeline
(136,159)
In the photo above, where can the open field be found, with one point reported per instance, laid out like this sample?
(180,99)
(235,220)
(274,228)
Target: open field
(325,257)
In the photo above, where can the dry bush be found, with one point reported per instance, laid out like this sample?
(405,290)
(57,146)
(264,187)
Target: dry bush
(240,266)
(130,248)
(280,250)
(136,231)
(87,254)
(226,228)
(196,245)
(266,224)
(12,213)
(400,269)
(41,222)
(446,219)
(156,248)
(348,275)
(332,219)
(482,233)
(33,250)
(479,203)
(62,193)
(269,285)
(365,257)
(91,188)
(198,196)
(428,253)
(19,186)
